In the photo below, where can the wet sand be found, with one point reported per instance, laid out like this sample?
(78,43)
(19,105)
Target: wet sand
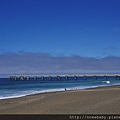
(102,100)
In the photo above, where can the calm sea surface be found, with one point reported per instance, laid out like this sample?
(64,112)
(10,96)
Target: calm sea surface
(18,88)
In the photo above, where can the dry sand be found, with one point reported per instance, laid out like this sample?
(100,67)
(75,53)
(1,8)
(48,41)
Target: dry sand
(103,100)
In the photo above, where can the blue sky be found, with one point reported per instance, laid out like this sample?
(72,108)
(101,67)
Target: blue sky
(87,28)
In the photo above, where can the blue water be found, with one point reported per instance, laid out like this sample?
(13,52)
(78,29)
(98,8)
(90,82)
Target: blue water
(18,88)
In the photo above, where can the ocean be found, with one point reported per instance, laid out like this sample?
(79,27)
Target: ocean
(18,88)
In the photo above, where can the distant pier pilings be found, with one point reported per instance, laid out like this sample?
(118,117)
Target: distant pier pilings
(64,77)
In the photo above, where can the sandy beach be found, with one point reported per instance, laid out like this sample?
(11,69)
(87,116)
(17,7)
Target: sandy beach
(102,100)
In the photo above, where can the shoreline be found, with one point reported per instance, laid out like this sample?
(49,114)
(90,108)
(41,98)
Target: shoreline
(99,100)
(62,90)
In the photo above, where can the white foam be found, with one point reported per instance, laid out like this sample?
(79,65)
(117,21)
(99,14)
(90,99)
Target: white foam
(106,82)
(30,92)
(8,97)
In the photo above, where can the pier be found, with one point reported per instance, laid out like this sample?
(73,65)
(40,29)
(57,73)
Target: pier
(63,76)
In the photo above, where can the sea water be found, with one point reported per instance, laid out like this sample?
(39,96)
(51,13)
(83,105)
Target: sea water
(17,88)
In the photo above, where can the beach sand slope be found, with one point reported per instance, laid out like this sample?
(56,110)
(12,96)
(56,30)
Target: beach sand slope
(103,100)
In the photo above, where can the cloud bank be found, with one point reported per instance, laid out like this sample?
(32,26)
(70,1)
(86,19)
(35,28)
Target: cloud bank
(28,62)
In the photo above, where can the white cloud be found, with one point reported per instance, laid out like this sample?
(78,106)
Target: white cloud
(28,62)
